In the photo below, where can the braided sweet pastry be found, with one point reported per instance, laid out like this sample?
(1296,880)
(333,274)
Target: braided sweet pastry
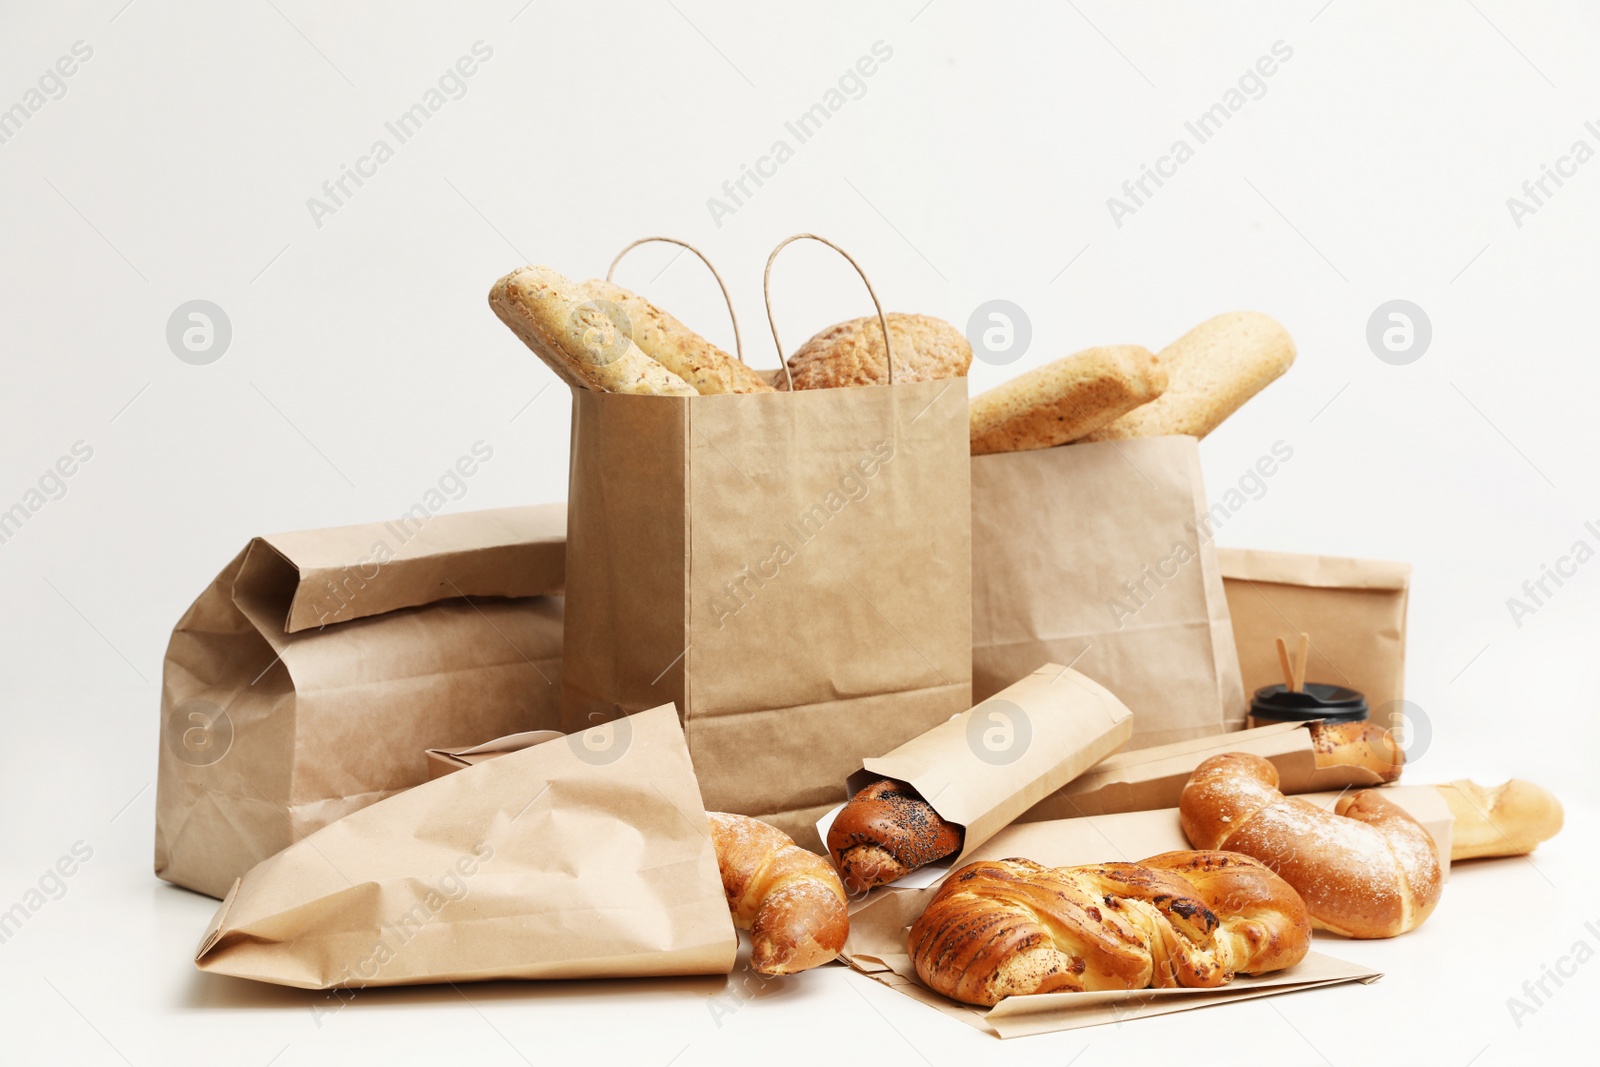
(1013,927)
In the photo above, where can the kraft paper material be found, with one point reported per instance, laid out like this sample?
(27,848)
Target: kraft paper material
(791,569)
(580,857)
(1099,555)
(1149,778)
(984,767)
(1354,611)
(309,677)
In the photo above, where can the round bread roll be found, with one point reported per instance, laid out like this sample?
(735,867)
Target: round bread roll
(851,353)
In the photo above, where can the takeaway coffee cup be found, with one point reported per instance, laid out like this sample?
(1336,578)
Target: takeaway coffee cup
(1332,703)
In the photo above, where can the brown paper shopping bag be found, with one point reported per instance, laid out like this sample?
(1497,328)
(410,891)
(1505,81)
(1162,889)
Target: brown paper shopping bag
(877,945)
(1353,610)
(792,569)
(569,859)
(1098,555)
(983,768)
(310,676)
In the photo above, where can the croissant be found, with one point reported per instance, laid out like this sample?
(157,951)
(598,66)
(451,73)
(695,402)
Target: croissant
(789,899)
(1013,927)
(1366,869)
(885,832)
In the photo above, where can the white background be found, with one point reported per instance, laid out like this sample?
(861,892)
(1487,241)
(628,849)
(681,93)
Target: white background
(976,164)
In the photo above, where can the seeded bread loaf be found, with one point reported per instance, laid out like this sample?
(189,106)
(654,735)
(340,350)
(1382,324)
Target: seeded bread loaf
(672,344)
(1065,400)
(576,338)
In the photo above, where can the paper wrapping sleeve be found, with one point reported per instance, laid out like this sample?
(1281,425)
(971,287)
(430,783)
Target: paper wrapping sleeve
(984,767)
(1150,778)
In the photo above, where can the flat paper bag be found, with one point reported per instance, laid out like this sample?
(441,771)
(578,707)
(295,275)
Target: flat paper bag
(1149,778)
(308,678)
(792,569)
(564,860)
(1354,611)
(983,768)
(877,946)
(1099,555)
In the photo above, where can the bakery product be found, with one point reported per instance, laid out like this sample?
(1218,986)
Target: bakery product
(851,353)
(1365,869)
(1065,400)
(1211,371)
(789,899)
(576,338)
(885,832)
(1357,744)
(1013,927)
(1508,820)
(672,344)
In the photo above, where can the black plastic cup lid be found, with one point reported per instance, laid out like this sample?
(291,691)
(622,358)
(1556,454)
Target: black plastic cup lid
(1334,703)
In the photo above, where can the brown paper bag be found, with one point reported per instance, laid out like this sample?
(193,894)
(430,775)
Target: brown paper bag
(309,677)
(1096,555)
(1354,611)
(1150,778)
(983,768)
(570,859)
(792,569)
(877,946)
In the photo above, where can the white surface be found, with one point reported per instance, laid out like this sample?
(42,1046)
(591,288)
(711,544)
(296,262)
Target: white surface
(976,165)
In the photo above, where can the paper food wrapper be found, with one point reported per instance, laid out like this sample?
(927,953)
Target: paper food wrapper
(1100,555)
(309,676)
(984,767)
(581,857)
(1353,609)
(443,761)
(1149,778)
(877,946)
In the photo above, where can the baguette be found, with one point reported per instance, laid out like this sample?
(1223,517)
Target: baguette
(851,353)
(672,344)
(1211,371)
(1508,820)
(576,338)
(1065,400)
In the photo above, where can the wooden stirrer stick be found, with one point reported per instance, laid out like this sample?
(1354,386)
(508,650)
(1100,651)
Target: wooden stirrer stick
(1283,661)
